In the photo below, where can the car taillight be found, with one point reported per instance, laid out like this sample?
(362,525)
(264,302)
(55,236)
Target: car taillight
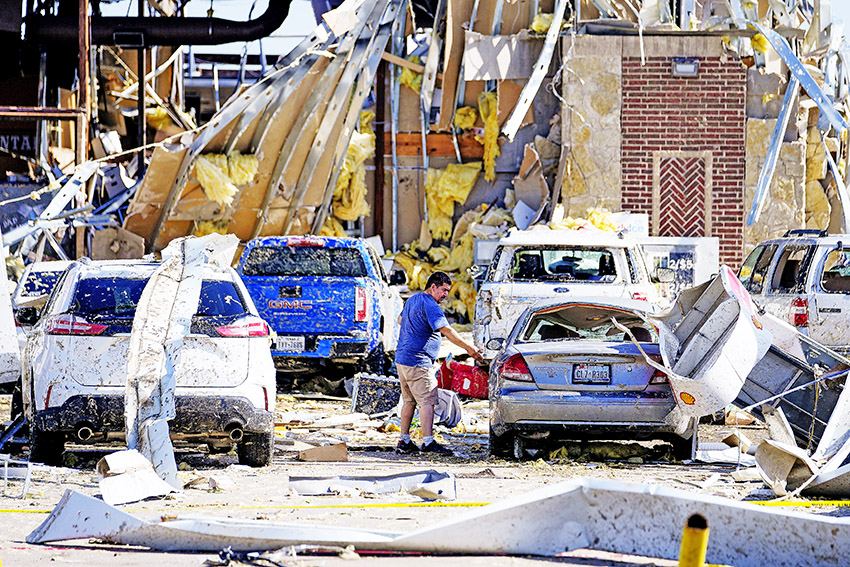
(638,296)
(305,241)
(66,324)
(360,304)
(47,397)
(799,312)
(515,368)
(266,396)
(245,327)
(658,378)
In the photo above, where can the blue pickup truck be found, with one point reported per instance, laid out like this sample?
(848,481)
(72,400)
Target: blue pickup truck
(328,300)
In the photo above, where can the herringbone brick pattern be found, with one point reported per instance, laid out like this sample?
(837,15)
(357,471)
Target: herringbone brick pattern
(682,197)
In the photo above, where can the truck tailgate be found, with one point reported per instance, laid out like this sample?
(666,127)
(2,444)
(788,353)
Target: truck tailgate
(305,305)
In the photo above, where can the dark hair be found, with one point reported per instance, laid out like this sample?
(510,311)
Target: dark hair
(438,279)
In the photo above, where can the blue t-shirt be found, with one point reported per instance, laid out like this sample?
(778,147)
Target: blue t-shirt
(418,337)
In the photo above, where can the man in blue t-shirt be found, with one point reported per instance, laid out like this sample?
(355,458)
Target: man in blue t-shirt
(423,325)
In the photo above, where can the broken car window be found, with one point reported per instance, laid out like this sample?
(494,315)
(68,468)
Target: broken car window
(564,264)
(754,270)
(588,323)
(789,276)
(304,261)
(40,283)
(836,271)
(118,296)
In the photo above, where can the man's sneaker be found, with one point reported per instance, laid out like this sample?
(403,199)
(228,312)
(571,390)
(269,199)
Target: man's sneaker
(434,447)
(406,447)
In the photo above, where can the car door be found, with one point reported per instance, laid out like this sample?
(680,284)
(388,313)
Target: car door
(829,300)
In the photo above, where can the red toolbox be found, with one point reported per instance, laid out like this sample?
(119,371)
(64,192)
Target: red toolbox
(469,380)
(444,375)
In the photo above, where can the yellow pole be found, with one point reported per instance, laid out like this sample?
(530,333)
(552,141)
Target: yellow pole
(694,542)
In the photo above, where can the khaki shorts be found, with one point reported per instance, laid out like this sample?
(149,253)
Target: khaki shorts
(418,384)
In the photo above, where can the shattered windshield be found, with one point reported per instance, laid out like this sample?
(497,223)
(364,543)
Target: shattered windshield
(304,261)
(564,263)
(40,283)
(118,296)
(588,322)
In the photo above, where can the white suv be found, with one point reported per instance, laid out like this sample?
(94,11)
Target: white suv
(75,364)
(804,278)
(537,264)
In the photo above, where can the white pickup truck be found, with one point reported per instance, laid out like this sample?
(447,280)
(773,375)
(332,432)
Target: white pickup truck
(537,264)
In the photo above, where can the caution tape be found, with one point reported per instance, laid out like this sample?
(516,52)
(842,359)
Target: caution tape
(801,504)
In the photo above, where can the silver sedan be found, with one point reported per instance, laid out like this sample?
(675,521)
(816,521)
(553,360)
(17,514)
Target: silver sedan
(570,371)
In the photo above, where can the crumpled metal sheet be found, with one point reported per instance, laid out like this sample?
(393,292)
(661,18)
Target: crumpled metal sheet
(163,317)
(582,513)
(429,484)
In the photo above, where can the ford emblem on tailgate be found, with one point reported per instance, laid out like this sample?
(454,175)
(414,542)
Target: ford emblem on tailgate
(562,289)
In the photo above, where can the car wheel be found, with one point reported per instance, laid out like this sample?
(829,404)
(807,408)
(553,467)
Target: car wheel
(377,361)
(683,449)
(46,447)
(256,449)
(501,445)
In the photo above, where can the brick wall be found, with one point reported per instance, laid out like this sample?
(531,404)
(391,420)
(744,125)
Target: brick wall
(705,113)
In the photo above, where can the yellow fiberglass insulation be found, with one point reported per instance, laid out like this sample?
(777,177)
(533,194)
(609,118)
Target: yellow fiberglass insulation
(410,78)
(349,198)
(332,227)
(542,22)
(759,43)
(445,188)
(488,107)
(203,228)
(465,117)
(598,218)
(462,295)
(242,168)
(158,118)
(213,179)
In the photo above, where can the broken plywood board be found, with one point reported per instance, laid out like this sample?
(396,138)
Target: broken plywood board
(582,513)
(337,453)
(499,57)
(509,93)
(146,206)
(438,145)
(457,15)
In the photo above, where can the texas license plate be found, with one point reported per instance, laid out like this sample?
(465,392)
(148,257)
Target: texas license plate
(289,344)
(591,374)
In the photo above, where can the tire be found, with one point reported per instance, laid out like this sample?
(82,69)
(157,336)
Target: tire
(46,447)
(501,445)
(683,449)
(256,449)
(376,362)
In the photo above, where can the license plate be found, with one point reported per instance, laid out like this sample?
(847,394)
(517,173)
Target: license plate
(289,344)
(591,374)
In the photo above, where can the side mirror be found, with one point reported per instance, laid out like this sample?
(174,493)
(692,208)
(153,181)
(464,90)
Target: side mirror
(663,275)
(495,344)
(398,277)
(27,316)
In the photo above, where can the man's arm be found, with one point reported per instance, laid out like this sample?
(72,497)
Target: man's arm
(452,335)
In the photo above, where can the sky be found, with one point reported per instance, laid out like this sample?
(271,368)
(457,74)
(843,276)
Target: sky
(300,21)
(298,24)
